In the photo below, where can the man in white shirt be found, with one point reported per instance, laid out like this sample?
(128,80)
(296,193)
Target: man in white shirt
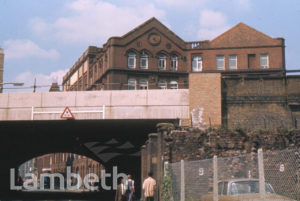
(149,186)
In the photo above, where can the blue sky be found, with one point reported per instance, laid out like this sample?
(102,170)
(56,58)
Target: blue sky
(44,38)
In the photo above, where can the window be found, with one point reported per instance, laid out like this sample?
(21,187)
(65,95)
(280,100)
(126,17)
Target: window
(162,62)
(174,63)
(232,62)
(131,60)
(162,84)
(220,62)
(197,63)
(173,85)
(144,61)
(143,84)
(264,61)
(131,84)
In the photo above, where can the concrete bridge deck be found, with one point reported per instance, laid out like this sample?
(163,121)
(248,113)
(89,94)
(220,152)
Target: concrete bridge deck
(84,105)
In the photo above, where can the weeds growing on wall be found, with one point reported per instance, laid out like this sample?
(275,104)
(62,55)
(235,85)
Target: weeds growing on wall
(167,186)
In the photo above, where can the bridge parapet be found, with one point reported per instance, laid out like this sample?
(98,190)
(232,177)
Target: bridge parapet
(125,104)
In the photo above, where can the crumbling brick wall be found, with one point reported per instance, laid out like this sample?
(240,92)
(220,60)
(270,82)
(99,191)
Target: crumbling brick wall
(195,144)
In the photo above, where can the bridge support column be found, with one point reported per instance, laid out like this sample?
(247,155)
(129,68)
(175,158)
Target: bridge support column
(150,157)
(144,166)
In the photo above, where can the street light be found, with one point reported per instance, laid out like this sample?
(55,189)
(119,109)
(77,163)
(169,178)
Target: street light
(16,84)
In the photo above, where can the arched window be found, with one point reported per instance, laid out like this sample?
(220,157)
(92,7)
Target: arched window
(144,61)
(173,85)
(131,60)
(197,63)
(174,63)
(162,84)
(132,84)
(162,62)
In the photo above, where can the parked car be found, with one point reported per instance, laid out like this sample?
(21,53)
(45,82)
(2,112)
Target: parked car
(244,189)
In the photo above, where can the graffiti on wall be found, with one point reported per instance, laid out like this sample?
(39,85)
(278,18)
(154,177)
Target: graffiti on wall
(197,118)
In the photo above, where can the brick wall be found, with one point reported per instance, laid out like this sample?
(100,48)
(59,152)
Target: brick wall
(205,99)
(261,102)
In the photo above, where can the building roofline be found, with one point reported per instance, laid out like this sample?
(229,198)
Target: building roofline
(243,24)
(143,25)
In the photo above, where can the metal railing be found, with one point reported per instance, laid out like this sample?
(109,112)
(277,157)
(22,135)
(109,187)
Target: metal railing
(104,86)
(57,112)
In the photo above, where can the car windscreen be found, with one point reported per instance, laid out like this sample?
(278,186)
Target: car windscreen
(246,187)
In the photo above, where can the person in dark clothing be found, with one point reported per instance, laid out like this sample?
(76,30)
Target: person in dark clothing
(130,187)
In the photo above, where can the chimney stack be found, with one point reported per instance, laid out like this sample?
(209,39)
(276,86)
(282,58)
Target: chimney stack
(1,68)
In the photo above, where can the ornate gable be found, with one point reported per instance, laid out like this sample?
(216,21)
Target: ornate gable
(154,29)
(243,36)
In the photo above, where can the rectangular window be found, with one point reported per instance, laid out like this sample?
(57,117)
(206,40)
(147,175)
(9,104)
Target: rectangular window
(174,63)
(143,84)
(131,84)
(144,62)
(233,62)
(264,61)
(220,62)
(162,62)
(131,60)
(197,63)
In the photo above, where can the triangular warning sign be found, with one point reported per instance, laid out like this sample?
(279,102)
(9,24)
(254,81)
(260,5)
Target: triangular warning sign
(67,114)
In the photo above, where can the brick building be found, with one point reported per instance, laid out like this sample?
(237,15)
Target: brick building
(152,57)
(58,163)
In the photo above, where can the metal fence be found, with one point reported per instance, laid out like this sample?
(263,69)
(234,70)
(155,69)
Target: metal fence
(273,175)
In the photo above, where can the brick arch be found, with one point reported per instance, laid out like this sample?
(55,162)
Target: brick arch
(162,52)
(176,54)
(132,50)
(145,51)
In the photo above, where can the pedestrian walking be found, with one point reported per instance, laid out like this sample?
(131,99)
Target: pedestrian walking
(149,186)
(121,191)
(130,187)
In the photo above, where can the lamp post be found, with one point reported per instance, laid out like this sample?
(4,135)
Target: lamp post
(16,84)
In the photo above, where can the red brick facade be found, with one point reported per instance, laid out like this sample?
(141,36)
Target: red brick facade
(58,163)
(151,56)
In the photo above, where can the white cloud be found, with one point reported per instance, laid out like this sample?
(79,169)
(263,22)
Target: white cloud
(20,49)
(43,81)
(243,4)
(181,3)
(93,21)
(212,24)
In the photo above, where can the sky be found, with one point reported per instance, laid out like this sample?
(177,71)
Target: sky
(42,39)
